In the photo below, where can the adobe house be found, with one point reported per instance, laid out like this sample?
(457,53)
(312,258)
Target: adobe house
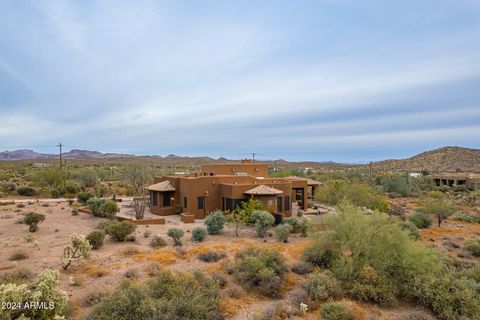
(224,187)
(470,180)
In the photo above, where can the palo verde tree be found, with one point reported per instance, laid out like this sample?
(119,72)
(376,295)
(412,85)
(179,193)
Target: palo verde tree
(32,219)
(242,214)
(438,205)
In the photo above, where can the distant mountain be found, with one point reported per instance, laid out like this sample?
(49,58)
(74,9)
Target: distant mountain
(446,159)
(72,154)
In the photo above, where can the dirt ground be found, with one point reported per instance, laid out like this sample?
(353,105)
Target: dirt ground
(112,262)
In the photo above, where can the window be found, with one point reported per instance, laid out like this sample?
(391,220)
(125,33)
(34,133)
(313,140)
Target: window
(201,202)
(287,203)
(153,198)
(185,202)
(232,204)
(167,201)
(270,202)
(279,204)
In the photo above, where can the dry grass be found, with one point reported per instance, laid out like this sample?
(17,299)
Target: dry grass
(93,271)
(162,256)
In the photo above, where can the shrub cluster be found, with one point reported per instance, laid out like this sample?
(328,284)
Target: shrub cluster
(199,234)
(215,222)
(282,232)
(411,229)
(157,241)
(83,197)
(32,219)
(323,286)
(473,245)
(176,235)
(118,231)
(260,269)
(421,220)
(167,296)
(210,256)
(26,191)
(263,220)
(103,208)
(95,238)
(336,311)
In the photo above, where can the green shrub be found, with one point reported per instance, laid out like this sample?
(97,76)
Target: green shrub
(373,287)
(467,217)
(294,222)
(104,225)
(199,234)
(157,241)
(473,245)
(421,220)
(304,226)
(119,231)
(166,296)
(321,253)
(71,188)
(263,220)
(26,191)
(95,238)
(108,209)
(32,219)
(83,197)
(74,212)
(300,213)
(322,287)
(55,193)
(411,228)
(210,256)
(282,232)
(260,269)
(45,290)
(302,268)
(176,234)
(94,204)
(335,311)
(215,222)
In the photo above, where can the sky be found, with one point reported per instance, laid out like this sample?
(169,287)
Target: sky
(324,80)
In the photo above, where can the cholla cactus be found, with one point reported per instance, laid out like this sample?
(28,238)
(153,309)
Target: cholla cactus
(45,291)
(80,248)
(303,308)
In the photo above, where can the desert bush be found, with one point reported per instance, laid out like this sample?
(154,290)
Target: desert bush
(234,291)
(176,235)
(411,228)
(262,270)
(394,184)
(130,251)
(45,290)
(108,209)
(300,213)
(219,278)
(32,219)
(18,255)
(421,220)
(467,217)
(215,222)
(104,225)
(167,296)
(294,222)
(323,286)
(374,287)
(87,177)
(199,234)
(119,231)
(74,212)
(147,234)
(26,191)
(80,248)
(438,206)
(131,238)
(95,238)
(83,197)
(263,220)
(153,269)
(210,256)
(321,253)
(473,245)
(94,204)
(302,268)
(92,298)
(55,193)
(17,276)
(131,273)
(282,232)
(304,226)
(157,241)
(335,311)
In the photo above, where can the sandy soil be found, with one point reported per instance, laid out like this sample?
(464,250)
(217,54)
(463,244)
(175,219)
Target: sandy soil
(107,266)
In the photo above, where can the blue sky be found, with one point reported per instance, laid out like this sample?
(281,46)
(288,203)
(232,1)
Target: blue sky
(349,81)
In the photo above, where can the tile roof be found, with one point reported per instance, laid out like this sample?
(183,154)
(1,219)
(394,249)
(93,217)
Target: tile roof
(161,186)
(263,190)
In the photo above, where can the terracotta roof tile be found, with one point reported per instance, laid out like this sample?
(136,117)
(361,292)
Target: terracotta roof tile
(263,190)
(161,186)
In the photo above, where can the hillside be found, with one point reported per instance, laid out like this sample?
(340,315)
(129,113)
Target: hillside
(446,159)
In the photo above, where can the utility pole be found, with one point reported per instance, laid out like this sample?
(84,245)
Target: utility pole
(60,154)
(253,157)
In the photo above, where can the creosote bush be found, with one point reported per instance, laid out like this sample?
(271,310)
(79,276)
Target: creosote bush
(323,286)
(282,232)
(157,241)
(473,245)
(176,235)
(119,231)
(166,296)
(421,220)
(199,234)
(302,268)
(335,311)
(263,220)
(259,269)
(83,197)
(103,208)
(95,238)
(374,287)
(210,256)
(26,191)
(32,219)
(215,222)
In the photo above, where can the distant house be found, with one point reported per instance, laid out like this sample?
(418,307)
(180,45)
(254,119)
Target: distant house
(470,180)
(415,174)
(224,187)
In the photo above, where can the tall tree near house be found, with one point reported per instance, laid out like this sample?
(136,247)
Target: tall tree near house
(138,177)
(241,215)
(439,206)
